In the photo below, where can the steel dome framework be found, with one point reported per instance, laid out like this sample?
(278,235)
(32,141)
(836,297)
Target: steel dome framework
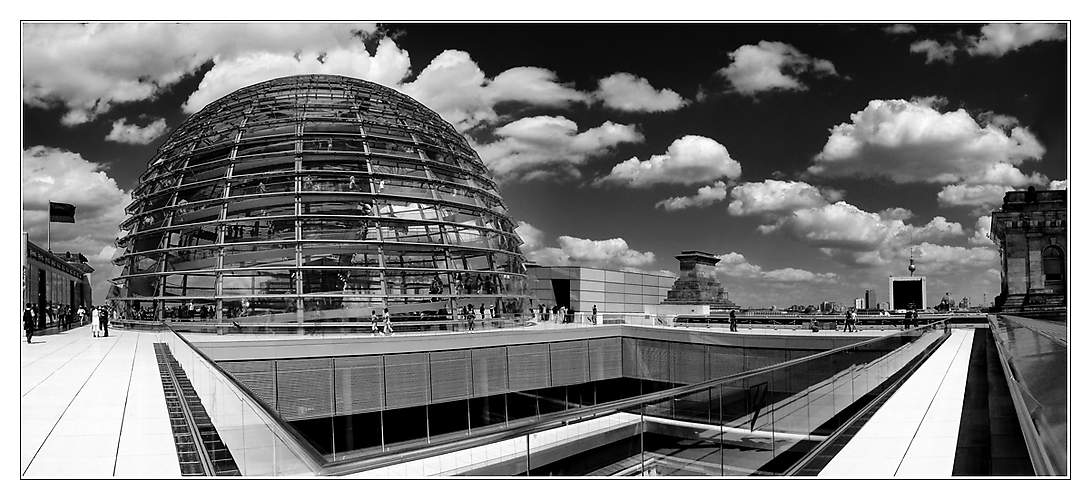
(311,201)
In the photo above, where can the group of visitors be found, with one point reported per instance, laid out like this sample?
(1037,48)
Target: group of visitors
(469,315)
(98,316)
(388,330)
(850,320)
(912,319)
(559,314)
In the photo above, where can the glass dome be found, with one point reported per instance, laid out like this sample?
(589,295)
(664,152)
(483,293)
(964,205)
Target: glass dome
(307,202)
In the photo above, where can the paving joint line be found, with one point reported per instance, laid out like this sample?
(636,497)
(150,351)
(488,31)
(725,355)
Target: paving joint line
(55,370)
(929,407)
(125,405)
(69,405)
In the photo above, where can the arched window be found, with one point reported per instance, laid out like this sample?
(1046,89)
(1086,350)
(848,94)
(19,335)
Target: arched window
(1053,263)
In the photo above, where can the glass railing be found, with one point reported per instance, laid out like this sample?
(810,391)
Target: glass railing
(761,422)
(440,325)
(1034,357)
(259,441)
(420,325)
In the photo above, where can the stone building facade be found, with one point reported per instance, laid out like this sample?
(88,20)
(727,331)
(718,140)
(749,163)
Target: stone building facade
(1031,232)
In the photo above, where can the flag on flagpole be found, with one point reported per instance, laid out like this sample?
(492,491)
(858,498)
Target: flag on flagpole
(62,212)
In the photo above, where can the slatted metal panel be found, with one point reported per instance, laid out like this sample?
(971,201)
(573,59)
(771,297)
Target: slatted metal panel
(305,388)
(528,367)
(688,364)
(406,380)
(489,371)
(604,358)
(568,363)
(450,373)
(629,364)
(724,361)
(358,384)
(653,360)
(258,376)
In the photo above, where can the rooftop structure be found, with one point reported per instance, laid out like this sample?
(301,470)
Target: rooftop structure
(584,289)
(697,283)
(309,202)
(1030,230)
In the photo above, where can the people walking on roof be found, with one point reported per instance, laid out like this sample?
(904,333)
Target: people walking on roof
(28,321)
(104,320)
(374,323)
(96,323)
(734,321)
(387,328)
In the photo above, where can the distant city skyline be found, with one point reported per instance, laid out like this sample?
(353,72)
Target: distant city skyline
(808,157)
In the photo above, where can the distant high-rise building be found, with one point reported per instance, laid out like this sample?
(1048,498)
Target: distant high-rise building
(859,303)
(871,301)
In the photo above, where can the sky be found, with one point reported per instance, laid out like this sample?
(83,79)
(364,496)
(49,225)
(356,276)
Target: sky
(809,157)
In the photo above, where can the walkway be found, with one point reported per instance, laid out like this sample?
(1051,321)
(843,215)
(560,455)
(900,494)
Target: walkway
(94,407)
(914,434)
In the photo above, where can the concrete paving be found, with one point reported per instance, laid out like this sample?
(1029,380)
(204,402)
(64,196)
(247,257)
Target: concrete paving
(94,407)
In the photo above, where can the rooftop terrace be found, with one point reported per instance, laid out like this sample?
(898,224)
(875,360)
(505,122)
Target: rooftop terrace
(96,407)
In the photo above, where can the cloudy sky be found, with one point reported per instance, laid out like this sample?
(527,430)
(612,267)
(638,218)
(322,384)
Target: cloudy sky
(809,157)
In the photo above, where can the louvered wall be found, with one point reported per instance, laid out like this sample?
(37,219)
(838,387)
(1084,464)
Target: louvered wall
(450,372)
(528,367)
(305,388)
(604,358)
(321,387)
(568,363)
(258,376)
(358,384)
(407,380)
(490,371)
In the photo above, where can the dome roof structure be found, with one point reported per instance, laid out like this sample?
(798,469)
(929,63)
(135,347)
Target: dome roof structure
(304,204)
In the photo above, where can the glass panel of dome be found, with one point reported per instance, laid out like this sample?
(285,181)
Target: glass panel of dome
(339,165)
(239,282)
(265,146)
(241,256)
(264,165)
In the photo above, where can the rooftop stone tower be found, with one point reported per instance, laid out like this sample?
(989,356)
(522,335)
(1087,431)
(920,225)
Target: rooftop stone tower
(697,283)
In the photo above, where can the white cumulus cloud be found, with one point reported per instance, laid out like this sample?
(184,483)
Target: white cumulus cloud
(549,146)
(454,86)
(613,253)
(1058,184)
(123,132)
(89,68)
(994,40)
(983,197)
(778,197)
(935,51)
(64,176)
(690,160)
(982,229)
(771,66)
(910,141)
(856,237)
(628,92)
(1001,38)
(705,196)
